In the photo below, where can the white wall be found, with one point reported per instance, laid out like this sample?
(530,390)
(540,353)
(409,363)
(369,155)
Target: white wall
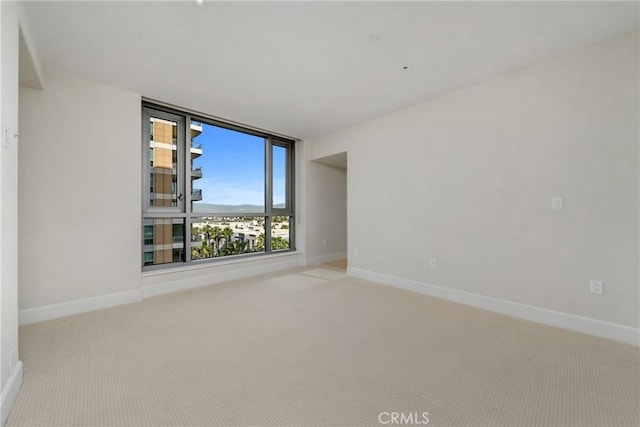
(80,205)
(468,179)
(326,213)
(80,191)
(10,367)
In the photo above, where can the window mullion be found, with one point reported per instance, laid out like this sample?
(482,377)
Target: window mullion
(267,234)
(291,200)
(268,180)
(268,176)
(186,161)
(290,183)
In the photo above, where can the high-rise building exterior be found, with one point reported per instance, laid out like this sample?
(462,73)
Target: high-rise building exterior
(164,237)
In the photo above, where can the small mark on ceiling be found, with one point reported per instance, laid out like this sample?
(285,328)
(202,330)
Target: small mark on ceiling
(373,38)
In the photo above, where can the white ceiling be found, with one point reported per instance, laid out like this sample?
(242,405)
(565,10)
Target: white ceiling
(308,68)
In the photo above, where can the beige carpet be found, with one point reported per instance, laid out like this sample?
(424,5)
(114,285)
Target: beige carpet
(341,264)
(292,349)
(325,273)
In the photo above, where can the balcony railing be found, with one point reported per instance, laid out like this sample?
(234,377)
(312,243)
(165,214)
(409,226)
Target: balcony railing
(196,150)
(196,172)
(196,129)
(196,194)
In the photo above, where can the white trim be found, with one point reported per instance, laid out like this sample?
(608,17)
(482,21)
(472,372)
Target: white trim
(322,259)
(213,278)
(48,312)
(586,325)
(10,392)
(54,311)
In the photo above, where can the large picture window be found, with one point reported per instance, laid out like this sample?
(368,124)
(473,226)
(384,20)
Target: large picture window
(212,189)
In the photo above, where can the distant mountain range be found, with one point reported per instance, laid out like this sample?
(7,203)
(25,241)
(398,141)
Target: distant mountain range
(214,208)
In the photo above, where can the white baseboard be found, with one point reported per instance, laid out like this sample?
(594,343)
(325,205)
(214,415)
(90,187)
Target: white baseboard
(10,392)
(559,319)
(325,258)
(48,312)
(213,278)
(54,311)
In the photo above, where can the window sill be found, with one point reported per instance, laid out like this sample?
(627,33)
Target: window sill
(217,263)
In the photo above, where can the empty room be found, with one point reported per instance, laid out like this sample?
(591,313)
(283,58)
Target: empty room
(319,213)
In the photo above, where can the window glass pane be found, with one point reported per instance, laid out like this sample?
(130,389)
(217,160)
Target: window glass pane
(225,176)
(280,233)
(163,240)
(224,236)
(227,170)
(279,158)
(163,161)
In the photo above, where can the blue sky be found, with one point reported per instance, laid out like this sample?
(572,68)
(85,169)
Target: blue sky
(233,168)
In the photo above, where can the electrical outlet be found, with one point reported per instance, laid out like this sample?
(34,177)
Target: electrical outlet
(355,251)
(324,242)
(433,263)
(556,203)
(597,287)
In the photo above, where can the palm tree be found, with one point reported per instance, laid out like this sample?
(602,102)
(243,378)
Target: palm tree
(195,253)
(203,251)
(227,233)
(217,233)
(279,243)
(238,247)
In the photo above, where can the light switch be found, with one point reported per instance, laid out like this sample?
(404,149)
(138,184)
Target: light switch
(556,203)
